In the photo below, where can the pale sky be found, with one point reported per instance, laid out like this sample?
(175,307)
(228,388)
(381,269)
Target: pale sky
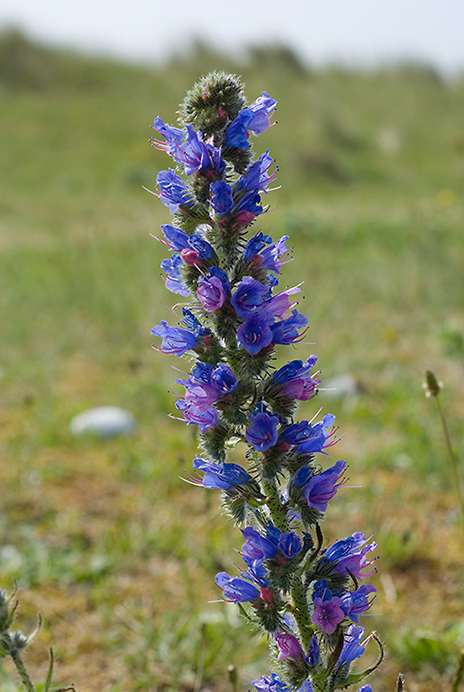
(357,31)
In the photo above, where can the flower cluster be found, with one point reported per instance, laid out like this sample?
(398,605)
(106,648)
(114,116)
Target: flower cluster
(306,597)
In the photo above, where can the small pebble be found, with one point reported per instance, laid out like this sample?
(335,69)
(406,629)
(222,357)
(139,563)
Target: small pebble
(104,421)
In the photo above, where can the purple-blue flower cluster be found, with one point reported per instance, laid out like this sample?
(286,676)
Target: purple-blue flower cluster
(233,322)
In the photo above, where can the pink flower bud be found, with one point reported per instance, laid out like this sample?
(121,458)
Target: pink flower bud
(288,645)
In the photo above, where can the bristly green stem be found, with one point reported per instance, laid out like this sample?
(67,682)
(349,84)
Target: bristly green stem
(277,511)
(21,669)
(301,612)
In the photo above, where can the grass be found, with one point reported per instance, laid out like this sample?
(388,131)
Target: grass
(103,538)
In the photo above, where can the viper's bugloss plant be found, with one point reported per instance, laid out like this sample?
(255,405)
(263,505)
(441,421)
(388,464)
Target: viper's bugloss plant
(307,598)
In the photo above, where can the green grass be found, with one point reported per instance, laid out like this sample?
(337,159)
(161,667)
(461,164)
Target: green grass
(103,538)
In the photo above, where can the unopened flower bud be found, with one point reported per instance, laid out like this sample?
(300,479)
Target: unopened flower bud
(431,385)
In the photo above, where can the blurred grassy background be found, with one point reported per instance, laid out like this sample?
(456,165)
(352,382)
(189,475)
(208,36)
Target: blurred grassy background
(103,538)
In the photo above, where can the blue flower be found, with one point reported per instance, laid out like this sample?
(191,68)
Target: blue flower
(355,603)
(237,132)
(172,135)
(255,118)
(286,331)
(224,379)
(221,197)
(236,590)
(174,281)
(270,683)
(352,646)
(296,433)
(187,148)
(220,476)
(175,341)
(296,379)
(178,240)
(255,332)
(313,652)
(349,555)
(256,547)
(262,433)
(289,544)
(192,153)
(247,191)
(173,192)
(320,437)
(319,488)
(249,296)
(193,324)
(262,110)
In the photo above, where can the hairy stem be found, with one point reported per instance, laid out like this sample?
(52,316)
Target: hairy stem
(301,612)
(21,669)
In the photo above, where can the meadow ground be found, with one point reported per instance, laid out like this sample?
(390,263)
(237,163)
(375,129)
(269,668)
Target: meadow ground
(115,551)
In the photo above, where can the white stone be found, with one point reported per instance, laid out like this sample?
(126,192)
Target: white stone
(104,421)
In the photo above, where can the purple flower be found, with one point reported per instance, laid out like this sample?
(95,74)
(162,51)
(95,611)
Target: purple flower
(175,341)
(173,192)
(289,646)
(193,415)
(213,289)
(328,612)
(320,488)
(350,554)
(262,433)
(296,379)
(220,476)
(221,197)
(280,304)
(255,332)
(200,395)
(249,296)
(236,590)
